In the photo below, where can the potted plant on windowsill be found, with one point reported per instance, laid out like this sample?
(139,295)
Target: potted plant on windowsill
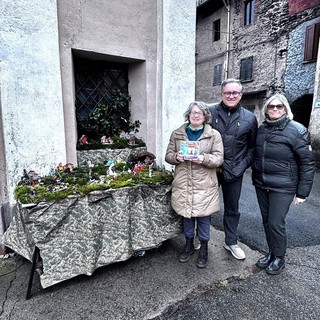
(108,129)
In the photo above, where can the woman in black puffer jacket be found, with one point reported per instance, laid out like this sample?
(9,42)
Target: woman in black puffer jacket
(282,172)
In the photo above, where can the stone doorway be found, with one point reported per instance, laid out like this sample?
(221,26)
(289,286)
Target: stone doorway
(301,109)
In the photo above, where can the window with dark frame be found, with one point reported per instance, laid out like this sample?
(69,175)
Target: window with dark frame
(312,42)
(248,12)
(94,82)
(217,75)
(246,69)
(216,30)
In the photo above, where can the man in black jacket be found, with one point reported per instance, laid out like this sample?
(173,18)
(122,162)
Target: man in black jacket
(238,128)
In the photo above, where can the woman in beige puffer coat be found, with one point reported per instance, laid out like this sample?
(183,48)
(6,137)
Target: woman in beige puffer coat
(195,194)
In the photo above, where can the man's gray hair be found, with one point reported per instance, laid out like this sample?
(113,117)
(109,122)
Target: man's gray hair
(231,80)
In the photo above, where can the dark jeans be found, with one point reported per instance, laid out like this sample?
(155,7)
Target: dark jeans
(274,207)
(203,227)
(231,194)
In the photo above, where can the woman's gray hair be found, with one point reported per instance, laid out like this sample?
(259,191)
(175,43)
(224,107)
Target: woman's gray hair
(283,100)
(203,107)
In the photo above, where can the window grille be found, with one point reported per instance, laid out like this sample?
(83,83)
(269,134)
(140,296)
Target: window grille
(94,82)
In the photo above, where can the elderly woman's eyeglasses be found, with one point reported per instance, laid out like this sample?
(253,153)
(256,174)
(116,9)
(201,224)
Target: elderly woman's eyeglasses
(277,106)
(198,113)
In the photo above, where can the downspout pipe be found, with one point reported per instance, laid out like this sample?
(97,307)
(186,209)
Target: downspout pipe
(226,67)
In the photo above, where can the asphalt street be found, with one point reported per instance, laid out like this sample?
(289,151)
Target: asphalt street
(294,294)
(303,221)
(157,286)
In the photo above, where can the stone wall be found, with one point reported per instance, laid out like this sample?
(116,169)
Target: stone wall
(275,41)
(299,77)
(301,5)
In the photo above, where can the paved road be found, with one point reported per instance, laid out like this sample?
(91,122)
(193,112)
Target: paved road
(294,294)
(303,221)
(157,286)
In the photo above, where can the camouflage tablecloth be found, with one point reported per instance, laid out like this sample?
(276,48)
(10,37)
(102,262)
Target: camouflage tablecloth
(80,234)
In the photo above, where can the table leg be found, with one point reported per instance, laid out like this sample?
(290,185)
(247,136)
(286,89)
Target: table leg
(33,268)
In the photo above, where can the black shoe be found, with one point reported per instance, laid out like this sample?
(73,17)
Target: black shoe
(187,251)
(276,266)
(265,261)
(202,260)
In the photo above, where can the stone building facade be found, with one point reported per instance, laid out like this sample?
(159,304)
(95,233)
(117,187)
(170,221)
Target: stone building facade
(263,43)
(40,41)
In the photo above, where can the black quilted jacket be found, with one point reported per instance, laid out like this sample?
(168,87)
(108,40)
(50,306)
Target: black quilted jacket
(284,161)
(238,129)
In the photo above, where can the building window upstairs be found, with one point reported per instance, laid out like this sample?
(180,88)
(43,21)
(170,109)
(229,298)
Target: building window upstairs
(248,12)
(311,42)
(246,69)
(216,30)
(217,75)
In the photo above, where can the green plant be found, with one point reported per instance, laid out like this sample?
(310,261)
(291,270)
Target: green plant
(108,119)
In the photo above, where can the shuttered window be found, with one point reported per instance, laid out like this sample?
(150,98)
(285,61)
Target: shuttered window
(246,69)
(312,42)
(217,75)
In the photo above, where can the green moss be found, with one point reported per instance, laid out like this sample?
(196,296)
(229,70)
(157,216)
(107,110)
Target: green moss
(77,182)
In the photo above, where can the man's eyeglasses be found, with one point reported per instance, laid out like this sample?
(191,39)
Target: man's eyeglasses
(234,93)
(199,113)
(277,106)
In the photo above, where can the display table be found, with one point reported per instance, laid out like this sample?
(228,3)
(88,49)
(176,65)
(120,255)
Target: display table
(77,235)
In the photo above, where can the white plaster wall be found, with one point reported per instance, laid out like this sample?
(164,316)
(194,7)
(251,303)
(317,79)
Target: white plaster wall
(177,67)
(156,38)
(31,100)
(123,31)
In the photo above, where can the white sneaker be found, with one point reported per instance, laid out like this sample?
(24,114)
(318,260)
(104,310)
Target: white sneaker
(197,243)
(236,251)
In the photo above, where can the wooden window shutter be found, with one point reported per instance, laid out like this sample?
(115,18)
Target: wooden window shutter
(308,48)
(316,41)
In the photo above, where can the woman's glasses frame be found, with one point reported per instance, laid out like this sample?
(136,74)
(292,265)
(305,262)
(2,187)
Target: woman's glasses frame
(199,113)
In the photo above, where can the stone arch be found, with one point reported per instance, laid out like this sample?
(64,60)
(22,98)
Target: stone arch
(301,109)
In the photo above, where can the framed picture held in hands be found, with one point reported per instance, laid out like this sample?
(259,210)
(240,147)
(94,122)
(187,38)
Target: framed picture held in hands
(190,150)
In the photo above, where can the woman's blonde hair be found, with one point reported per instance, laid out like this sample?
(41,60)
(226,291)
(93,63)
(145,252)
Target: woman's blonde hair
(202,106)
(283,100)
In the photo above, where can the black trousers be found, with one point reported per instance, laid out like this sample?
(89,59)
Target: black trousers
(231,194)
(274,207)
